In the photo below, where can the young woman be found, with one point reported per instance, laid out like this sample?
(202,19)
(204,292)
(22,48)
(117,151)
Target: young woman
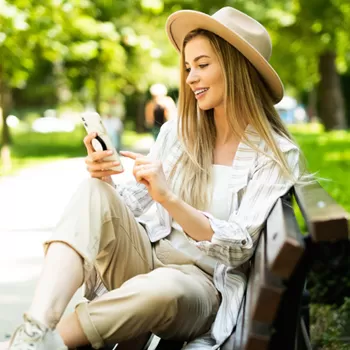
(214,174)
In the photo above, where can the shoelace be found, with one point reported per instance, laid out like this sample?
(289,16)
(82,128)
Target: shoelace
(29,333)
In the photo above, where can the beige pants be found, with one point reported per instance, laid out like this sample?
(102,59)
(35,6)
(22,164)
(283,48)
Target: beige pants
(152,287)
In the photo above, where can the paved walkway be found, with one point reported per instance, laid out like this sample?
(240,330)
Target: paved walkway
(30,205)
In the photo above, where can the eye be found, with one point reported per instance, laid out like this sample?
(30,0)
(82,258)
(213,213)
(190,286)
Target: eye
(187,70)
(203,65)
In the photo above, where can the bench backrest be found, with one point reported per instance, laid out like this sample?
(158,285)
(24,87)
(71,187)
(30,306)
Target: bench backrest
(279,250)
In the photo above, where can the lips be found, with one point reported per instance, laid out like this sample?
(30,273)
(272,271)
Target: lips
(199,93)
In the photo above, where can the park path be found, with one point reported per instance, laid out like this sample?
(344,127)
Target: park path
(31,203)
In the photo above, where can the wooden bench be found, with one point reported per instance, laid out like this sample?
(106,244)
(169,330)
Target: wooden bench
(274,311)
(273,314)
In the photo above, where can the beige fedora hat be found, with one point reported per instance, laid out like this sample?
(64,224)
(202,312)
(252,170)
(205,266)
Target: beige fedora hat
(243,32)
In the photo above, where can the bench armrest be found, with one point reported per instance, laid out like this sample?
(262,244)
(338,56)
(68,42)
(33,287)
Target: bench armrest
(325,219)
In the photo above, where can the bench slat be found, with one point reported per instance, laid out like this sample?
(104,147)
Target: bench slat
(259,337)
(284,242)
(267,290)
(326,220)
(255,335)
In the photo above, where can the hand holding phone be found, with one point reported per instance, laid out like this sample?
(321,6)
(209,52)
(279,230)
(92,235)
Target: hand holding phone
(93,123)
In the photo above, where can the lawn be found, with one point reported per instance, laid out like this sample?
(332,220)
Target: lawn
(30,148)
(327,154)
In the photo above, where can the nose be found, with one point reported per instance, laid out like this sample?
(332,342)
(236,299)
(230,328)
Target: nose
(192,77)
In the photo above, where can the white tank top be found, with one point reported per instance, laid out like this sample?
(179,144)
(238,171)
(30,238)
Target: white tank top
(218,206)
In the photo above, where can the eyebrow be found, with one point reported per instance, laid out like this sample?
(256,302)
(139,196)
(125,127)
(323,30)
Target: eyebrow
(198,58)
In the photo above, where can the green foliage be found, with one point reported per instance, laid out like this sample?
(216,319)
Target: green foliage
(33,144)
(328,155)
(31,148)
(124,41)
(329,324)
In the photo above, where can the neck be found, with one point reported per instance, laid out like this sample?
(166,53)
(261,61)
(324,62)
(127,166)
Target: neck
(223,132)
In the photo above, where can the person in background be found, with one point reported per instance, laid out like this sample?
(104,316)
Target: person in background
(114,127)
(159,109)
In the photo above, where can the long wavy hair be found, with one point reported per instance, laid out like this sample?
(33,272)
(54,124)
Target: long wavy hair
(247,100)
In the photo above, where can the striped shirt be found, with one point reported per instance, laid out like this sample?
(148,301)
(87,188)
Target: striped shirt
(255,184)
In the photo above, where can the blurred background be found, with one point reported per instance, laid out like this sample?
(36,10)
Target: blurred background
(61,57)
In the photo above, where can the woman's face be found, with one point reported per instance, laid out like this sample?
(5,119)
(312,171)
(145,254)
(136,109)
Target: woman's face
(205,76)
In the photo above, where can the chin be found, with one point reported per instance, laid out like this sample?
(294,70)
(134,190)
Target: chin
(205,106)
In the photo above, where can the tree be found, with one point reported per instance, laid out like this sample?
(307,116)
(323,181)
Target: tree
(17,41)
(312,40)
(330,21)
(16,45)
(99,48)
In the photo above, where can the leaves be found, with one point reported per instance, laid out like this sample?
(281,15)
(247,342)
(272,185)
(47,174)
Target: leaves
(127,41)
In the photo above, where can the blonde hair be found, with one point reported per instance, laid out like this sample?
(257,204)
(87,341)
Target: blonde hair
(247,101)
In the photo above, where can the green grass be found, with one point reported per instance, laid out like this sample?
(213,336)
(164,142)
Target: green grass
(31,148)
(327,155)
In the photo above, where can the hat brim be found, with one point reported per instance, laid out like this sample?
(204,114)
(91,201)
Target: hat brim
(180,23)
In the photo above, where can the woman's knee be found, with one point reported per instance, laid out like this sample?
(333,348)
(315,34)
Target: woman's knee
(93,185)
(165,287)
(98,194)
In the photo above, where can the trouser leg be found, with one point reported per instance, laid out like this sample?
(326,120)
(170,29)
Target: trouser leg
(178,302)
(172,303)
(98,225)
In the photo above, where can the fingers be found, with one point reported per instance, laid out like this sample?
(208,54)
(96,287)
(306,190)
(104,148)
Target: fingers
(146,171)
(94,161)
(139,158)
(97,156)
(141,171)
(87,142)
(132,155)
(104,173)
(99,169)
(100,166)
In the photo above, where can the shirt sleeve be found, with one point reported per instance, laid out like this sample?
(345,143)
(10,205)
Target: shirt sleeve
(134,194)
(233,241)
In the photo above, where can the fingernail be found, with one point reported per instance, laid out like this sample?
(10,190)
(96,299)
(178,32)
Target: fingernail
(109,152)
(116,163)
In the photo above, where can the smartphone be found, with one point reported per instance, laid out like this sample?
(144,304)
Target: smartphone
(93,123)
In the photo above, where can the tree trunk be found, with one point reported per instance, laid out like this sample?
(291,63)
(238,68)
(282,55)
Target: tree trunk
(4,106)
(331,101)
(140,113)
(63,93)
(312,105)
(5,134)
(97,96)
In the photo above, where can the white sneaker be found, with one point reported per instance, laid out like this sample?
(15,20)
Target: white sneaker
(32,335)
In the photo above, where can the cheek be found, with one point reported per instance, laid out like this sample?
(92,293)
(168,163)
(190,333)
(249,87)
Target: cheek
(219,80)
(219,85)
(216,80)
